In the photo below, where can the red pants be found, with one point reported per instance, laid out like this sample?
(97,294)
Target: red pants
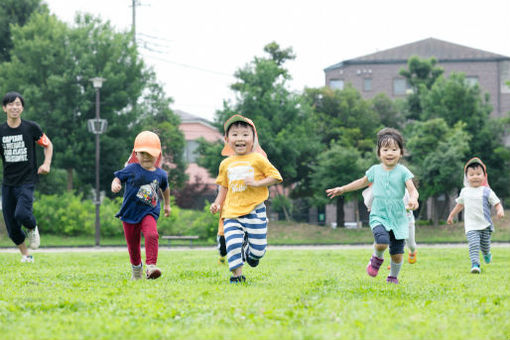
(132,232)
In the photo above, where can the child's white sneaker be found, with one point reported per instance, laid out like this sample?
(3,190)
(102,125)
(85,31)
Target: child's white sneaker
(137,272)
(34,238)
(152,271)
(27,259)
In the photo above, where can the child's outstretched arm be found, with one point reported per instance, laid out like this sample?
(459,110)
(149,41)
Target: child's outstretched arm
(457,209)
(166,200)
(116,185)
(354,185)
(500,213)
(218,202)
(265,182)
(413,195)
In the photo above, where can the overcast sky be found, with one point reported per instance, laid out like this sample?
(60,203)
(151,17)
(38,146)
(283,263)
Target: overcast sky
(195,46)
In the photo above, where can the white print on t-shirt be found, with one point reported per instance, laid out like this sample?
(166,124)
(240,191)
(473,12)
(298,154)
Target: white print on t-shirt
(15,149)
(148,193)
(236,176)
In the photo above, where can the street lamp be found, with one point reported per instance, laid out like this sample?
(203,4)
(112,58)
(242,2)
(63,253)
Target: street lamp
(97,126)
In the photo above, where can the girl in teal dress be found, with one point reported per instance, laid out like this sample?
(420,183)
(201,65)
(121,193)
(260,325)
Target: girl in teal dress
(388,219)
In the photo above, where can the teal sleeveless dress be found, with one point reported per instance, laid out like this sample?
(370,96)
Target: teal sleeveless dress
(388,206)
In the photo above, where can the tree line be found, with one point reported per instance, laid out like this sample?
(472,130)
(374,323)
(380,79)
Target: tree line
(317,137)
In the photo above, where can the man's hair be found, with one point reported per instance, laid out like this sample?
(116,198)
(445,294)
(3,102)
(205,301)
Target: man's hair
(475,165)
(243,124)
(388,136)
(11,96)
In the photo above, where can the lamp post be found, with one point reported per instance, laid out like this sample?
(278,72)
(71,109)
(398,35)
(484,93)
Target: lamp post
(97,126)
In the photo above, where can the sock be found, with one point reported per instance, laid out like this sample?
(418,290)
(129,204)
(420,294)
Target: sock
(139,266)
(395,268)
(379,253)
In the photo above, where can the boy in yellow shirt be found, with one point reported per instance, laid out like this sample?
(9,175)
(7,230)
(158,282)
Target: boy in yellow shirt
(243,180)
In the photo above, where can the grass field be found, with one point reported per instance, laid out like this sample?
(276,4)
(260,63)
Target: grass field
(293,294)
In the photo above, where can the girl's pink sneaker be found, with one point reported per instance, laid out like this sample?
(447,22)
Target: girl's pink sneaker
(373,265)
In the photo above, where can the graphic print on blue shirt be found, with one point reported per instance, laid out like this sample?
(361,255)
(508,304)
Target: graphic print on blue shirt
(148,193)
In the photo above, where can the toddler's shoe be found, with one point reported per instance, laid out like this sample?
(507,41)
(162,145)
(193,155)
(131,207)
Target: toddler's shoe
(373,265)
(392,279)
(487,258)
(137,273)
(152,272)
(27,259)
(475,269)
(238,279)
(412,257)
(222,260)
(34,238)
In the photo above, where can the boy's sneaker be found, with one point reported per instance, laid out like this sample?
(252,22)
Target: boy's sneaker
(137,272)
(487,258)
(475,269)
(412,257)
(222,260)
(27,259)
(238,279)
(373,265)
(33,237)
(392,279)
(152,272)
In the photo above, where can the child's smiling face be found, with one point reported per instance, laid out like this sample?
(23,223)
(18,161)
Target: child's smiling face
(390,154)
(240,139)
(146,160)
(475,176)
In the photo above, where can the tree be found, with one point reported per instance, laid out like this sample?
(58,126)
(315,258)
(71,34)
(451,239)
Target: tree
(15,12)
(283,119)
(389,111)
(52,64)
(421,74)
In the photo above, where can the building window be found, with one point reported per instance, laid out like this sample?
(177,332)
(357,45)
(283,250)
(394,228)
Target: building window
(336,84)
(190,155)
(472,80)
(367,84)
(400,86)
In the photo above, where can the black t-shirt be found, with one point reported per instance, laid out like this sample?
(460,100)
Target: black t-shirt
(17,148)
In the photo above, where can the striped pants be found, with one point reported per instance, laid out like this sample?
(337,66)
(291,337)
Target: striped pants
(254,226)
(478,239)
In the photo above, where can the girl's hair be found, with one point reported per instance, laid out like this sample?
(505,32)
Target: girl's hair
(388,137)
(475,165)
(11,96)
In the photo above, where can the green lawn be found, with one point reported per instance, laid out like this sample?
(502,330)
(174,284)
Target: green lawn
(293,294)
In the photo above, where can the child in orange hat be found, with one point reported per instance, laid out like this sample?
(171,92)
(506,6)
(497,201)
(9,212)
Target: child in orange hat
(140,207)
(243,180)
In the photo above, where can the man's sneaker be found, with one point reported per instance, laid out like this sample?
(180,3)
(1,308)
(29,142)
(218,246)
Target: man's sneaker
(238,279)
(412,257)
(373,265)
(27,259)
(392,279)
(475,269)
(222,260)
(487,258)
(33,237)
(137,272)
(153,272)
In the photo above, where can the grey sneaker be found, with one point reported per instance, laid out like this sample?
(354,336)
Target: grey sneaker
(152,272)
(27,259)
(137,272)
(33,237)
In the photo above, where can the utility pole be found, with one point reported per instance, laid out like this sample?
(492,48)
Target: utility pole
(134,4)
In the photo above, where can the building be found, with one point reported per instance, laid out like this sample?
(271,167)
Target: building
(193,128)
(379,72)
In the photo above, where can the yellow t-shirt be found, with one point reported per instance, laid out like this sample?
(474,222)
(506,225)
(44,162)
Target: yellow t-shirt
(242,199)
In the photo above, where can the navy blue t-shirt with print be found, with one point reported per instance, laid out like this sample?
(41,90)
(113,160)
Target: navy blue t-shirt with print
(17,149)
(140,192)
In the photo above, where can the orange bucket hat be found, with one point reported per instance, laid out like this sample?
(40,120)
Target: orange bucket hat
(227,150)
(147,141)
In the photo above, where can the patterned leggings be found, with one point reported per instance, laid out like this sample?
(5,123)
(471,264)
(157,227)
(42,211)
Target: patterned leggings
(479,239)
(254,226)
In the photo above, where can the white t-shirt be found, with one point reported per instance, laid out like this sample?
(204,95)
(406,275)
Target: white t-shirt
(477,207)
